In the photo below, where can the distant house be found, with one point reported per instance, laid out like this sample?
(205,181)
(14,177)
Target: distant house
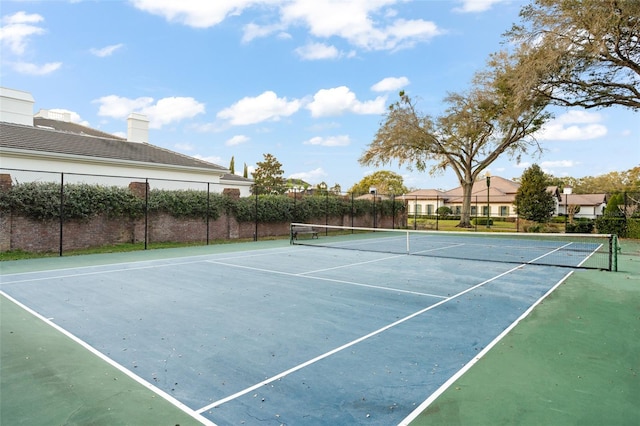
(42,146)
(500,200)
(499,197)
(582,205)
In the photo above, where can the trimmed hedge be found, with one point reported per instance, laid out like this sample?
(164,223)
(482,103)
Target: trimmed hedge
(41,201)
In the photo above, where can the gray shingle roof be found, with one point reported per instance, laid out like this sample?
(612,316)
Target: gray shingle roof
(235,178)
(70,127)
(94,144)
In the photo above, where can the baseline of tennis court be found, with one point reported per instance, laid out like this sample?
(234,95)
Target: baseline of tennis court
(289,335)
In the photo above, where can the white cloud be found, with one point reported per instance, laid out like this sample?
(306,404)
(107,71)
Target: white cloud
(315,51)
(173,109)
(341,140)
(118,107)
(558,163)
(338,100)
(353,21)
(164,111)
(252,31)
(213,159)
(264,107)
(17,29)
(105,51)
(474,6)
(573,126)
(312,176)
(390,84)
(33,69)
(196,13)
(185,147)
(15,34)
(237,140)
(367,24)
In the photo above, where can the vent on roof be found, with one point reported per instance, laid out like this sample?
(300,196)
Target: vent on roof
(137,128)
(54,115)
(16,106)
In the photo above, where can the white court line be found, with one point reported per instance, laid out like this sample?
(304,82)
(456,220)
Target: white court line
(591,254)
(182,407)
(353,264)
(439,248)
(348,345)
(551,252)
(303,275)
(415,413)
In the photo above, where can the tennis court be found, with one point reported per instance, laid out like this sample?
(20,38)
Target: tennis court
(289,334)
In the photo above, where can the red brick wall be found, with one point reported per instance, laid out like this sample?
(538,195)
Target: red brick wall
(20,233)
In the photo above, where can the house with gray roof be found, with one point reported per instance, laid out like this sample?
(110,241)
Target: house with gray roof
(46,145)
(499,197)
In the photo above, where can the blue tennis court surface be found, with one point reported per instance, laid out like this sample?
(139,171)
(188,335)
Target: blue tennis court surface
(289,335)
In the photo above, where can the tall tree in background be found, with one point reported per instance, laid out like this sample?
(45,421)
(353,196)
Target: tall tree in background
(385,182)
(581,53)
(533,201)
(245,172)
(267,178)
(232,165)
(477,127)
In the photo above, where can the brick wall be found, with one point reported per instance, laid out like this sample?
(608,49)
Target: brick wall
(20,233)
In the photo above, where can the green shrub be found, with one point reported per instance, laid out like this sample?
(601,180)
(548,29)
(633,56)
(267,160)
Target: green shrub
(580,227)
(481,221)
(41,201)
(633,228)
(612,225)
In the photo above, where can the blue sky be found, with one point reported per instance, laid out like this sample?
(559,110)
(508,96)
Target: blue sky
(306,81)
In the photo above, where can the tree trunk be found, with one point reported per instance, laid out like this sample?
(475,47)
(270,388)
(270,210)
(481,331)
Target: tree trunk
(465,217)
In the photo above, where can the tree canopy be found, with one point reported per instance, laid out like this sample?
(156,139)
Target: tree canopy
(477,127)
(608,183)
(267,178)
(385,182)
(533,201)
(580,53)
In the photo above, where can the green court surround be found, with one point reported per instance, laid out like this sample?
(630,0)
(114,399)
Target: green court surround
(575,360)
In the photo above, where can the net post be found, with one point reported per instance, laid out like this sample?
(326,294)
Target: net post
(613,253)
(408,248)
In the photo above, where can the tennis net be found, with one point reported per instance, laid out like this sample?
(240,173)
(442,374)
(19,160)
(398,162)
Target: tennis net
(587,251)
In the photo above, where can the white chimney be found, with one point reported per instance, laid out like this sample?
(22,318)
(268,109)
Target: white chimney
(16,106)
(137,128)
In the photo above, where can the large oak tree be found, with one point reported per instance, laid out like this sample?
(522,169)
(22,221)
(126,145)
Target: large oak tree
(477,127)
(581,52)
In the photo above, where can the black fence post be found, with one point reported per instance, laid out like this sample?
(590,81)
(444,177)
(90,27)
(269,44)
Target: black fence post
(255,232)
(437,215)
(146,213)
(208,208)
(393,211)
(353,213)
(61,211)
